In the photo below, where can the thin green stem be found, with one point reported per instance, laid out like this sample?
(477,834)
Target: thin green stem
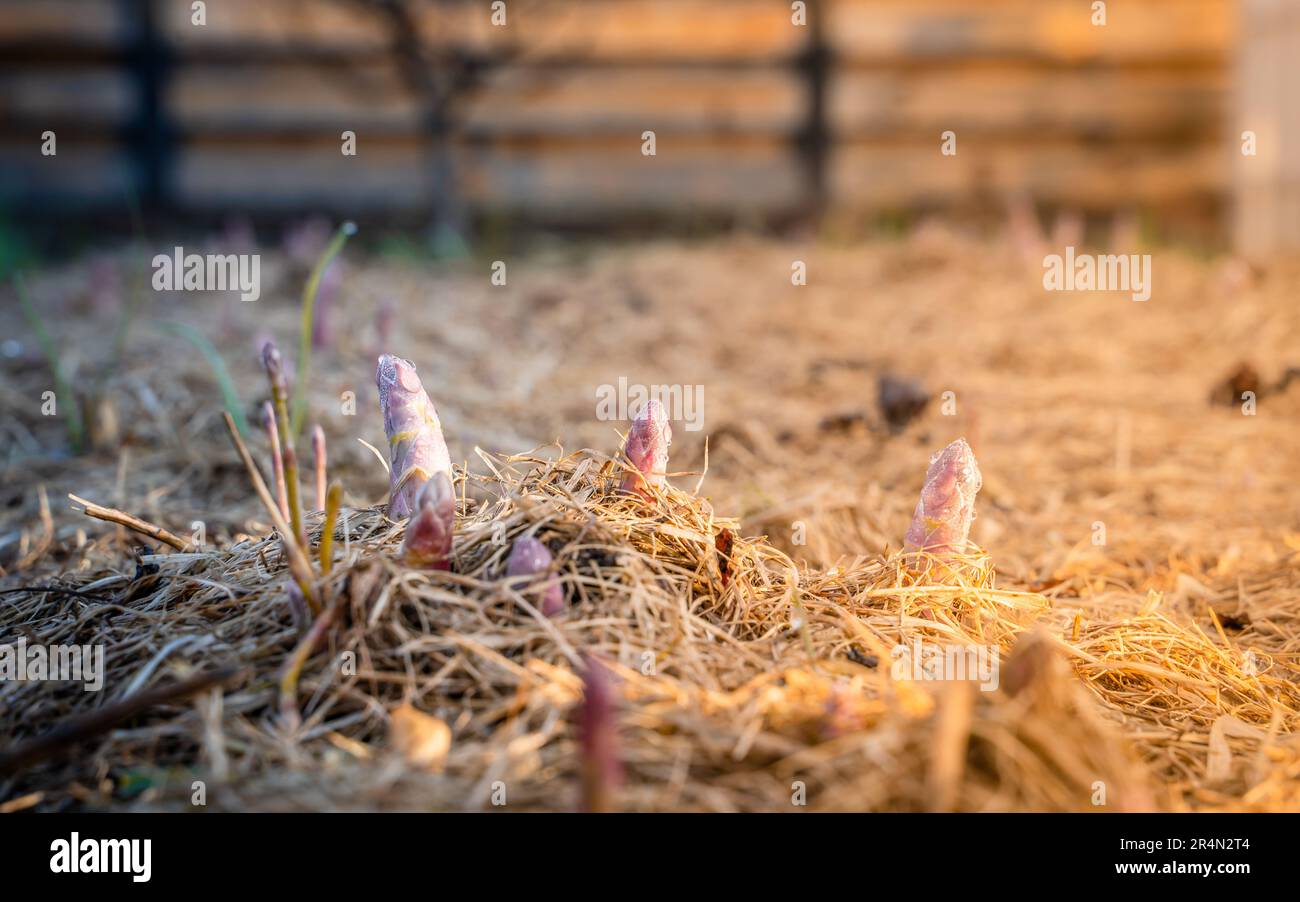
(345,231)
(229,394)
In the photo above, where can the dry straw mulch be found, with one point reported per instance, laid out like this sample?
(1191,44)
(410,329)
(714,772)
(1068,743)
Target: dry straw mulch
(1155,671)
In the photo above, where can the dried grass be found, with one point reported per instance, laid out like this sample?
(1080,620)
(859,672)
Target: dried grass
(1158,669)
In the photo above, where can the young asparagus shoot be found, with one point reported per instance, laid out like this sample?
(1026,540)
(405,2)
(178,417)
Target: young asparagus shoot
(416,447)
(318,460)
(941,523)
(277,459)
(602,773)
(529,557)
(345,231)
(333,501)
(295,554)
(647,450)
(427,544)
(275,374)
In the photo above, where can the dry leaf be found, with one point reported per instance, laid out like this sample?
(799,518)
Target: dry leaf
(421,739)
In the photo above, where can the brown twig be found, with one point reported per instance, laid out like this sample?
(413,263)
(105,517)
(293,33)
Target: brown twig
(122,518)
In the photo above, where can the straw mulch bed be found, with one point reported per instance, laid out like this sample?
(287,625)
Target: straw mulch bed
(1157,670)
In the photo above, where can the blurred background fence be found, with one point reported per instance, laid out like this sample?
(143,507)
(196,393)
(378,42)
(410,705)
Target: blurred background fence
(543,119)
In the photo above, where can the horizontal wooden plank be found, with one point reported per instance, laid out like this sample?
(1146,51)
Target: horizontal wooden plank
(606,29)
(1005,97)
(721,175)
(594,180)
(584,178)
(715,175)
(367,93)
(322,22)
(513,101)
(1040,29)
(89,96)
(871,175)
(80,21)
(77,174)
(892,32)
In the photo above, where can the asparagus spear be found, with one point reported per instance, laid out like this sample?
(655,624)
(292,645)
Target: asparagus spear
(602,772)
(416,447)
(277,459)
(427,543)
(941,523)
(333,500)
(647,449)
(280,395)
(529,557)
(318,461)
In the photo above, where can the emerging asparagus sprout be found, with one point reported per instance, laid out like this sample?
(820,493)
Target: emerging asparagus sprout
(333,501)
(318,460)
(602,772)
(275,374)
(295,551)
(529,557)
(277,459)
(416,447)
(647,450)
(427,543)
(941,523)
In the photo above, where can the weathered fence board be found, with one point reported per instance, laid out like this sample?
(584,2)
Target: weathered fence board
(247,110)
(1267,181)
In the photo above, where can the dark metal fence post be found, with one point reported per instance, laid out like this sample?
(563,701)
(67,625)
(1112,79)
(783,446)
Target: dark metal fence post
(813,139)
(149,135)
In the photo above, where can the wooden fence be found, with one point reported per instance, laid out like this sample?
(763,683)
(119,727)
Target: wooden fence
(545,116)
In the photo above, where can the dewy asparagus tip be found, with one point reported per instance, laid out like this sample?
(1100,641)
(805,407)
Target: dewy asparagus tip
(942,520)
(647,449)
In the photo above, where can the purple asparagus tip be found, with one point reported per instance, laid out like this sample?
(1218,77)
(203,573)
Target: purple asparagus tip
(416,448)
(427,543)
(274,363)
(941,523)
(647,449)
(529,557)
